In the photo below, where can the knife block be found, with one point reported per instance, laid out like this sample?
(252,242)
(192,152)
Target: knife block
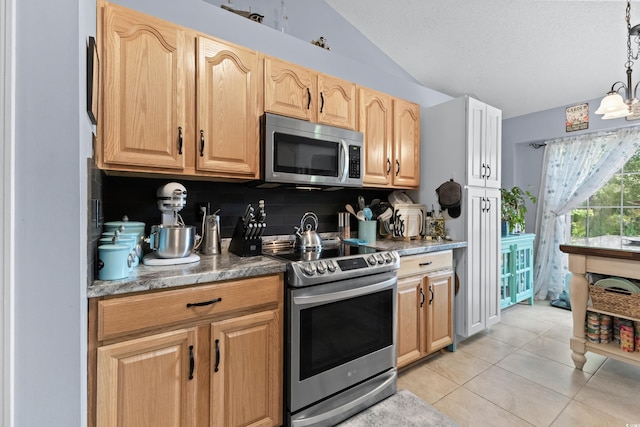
(243,246)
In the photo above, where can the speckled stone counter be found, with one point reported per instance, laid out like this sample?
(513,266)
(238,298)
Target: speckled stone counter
(227,266)
(210,268)
(413,247)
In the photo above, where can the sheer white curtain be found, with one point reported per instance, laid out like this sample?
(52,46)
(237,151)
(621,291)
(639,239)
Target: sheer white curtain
(575,168)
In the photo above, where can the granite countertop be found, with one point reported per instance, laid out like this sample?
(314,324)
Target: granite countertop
(228,266)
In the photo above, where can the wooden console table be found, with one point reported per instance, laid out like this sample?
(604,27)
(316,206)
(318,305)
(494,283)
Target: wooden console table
(610,258)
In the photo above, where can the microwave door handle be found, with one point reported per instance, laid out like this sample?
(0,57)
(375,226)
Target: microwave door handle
(345,160)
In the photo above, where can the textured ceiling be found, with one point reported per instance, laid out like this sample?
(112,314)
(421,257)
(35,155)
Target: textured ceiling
(520,56)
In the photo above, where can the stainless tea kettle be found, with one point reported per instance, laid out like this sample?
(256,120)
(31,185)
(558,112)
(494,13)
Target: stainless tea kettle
(307,238)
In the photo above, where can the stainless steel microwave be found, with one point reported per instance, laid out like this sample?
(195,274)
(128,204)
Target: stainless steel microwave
(310,154)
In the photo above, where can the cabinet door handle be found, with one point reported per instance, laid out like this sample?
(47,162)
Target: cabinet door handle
(421,297)
(430,294)
(484,170)
(489,168)
(203,303)
(388,166)
(308,99)
(397,167)
(422,264)
(192,362)
(201,143)
(321,102)
(180,140)
(215,368)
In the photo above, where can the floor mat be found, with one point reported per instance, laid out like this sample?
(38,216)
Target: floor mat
(403,409)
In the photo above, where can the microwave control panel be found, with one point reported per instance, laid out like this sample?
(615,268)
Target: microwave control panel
(354,161)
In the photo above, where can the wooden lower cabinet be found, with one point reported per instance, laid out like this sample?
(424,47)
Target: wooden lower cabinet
(219,364)
(244,371)
(425,306)
(147,381)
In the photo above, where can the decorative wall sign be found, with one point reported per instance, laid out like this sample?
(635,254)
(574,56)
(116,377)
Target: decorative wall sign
(577,117)
(93,80)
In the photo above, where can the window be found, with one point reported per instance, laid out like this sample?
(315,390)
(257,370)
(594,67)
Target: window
(614,210)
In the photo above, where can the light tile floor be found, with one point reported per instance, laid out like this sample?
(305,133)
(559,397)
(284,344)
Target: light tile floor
(520,373)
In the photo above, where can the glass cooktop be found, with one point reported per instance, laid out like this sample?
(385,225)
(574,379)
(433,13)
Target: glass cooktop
(333,251)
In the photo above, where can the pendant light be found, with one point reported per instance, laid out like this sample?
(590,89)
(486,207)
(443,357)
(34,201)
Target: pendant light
(613,105)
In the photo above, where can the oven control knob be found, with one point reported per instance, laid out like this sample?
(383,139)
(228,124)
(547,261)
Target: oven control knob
(387,257)
(331,266)
(308,269)
(372,260)
(321,267)
(380,258)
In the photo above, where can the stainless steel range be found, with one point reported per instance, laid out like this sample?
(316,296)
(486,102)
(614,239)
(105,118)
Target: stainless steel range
(340,333)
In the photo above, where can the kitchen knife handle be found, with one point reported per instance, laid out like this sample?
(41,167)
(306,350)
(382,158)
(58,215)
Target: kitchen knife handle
(180,140)
(201,143)
(308,99)
(321,102)
(215,369)
(201,304)
(192,362)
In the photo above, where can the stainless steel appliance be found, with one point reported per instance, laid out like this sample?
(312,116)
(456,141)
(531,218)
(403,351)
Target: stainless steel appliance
(340,331)
(310,154)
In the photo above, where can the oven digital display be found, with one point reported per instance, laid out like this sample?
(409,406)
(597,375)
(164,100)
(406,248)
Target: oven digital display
(352,264)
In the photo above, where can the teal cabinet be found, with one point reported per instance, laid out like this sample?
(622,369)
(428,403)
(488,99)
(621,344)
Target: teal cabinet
(516,274)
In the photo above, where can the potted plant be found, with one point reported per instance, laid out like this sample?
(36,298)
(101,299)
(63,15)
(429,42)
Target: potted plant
(514,208)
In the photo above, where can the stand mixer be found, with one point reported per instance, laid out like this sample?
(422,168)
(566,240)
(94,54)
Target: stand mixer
(172,197)
(172,242)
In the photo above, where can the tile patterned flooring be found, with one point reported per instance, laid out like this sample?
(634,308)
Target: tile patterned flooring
(520,373)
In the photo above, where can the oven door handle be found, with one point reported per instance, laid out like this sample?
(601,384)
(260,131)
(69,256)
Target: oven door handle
(345,160)
(302,300)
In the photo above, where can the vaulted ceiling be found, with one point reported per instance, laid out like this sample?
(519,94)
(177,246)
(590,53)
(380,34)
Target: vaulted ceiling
(520,56)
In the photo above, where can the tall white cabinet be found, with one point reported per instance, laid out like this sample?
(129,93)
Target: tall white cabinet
(463,139)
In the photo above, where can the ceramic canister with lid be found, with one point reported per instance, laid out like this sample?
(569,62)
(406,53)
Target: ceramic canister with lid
(113,262)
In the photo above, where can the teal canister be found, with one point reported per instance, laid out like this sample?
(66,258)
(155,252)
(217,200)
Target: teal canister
(130,242)
(367,231)
(113,261)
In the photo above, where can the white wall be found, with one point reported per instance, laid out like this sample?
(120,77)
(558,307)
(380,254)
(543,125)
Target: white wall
(53,141)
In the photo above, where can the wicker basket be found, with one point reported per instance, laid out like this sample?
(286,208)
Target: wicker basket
(616,301)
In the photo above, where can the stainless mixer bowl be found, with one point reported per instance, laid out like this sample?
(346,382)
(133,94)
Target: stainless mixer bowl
(172,241)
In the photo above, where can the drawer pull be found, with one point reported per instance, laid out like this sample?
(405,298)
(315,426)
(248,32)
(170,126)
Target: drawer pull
(200,304)
(215,369)
(424,264)
(192,362)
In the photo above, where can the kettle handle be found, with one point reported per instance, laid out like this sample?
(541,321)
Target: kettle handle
(306,216)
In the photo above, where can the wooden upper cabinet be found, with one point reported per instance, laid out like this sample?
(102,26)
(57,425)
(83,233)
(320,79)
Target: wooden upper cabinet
(288,89)
(337,102)
(227,113)
(391,128)
(406,143)
(298,92)
(376,123)
(144,90)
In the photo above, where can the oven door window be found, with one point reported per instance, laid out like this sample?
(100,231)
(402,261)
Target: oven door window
(305,156)
(336,333)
